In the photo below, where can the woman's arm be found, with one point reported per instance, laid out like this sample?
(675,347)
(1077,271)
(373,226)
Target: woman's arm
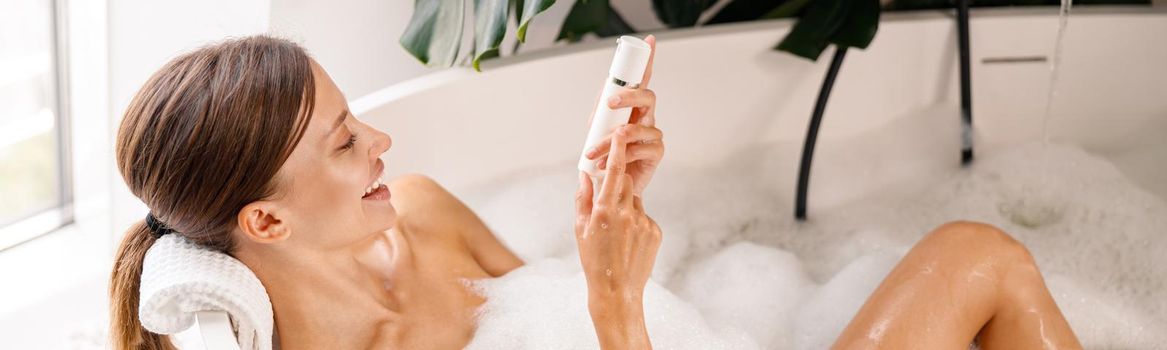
(491,254)
(443,212)
(617,241)
(619,322)
(617,245)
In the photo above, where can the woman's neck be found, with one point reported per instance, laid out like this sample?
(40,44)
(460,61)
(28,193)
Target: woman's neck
(336,298)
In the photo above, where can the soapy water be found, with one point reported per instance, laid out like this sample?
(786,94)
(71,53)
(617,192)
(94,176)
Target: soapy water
(735,271)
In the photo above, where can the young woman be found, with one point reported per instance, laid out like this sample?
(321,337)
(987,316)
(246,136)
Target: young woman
(247,147)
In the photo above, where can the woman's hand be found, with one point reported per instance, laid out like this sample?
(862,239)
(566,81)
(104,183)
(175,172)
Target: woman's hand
(645,145)
(617,248)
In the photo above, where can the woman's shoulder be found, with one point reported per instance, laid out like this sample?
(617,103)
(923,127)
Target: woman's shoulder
(419,194)
(435,221)
(430,211)
(425,206)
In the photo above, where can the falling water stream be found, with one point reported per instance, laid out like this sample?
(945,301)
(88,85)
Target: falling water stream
(1037,206)
(1055,63)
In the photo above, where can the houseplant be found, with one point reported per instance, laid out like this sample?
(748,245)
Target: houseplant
(434,34)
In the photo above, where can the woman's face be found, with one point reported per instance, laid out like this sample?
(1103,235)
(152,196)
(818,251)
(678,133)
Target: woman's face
(324,184)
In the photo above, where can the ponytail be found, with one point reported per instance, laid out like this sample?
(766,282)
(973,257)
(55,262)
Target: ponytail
(125,329)
(205,136)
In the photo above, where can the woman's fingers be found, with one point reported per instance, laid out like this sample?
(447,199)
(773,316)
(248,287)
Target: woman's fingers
(622,187)
(646,115)
(610,191)
(651,41)
(626,97)
(643,100)
(625,185)
(650,152)
(583,203)
(635,133)
(643,116)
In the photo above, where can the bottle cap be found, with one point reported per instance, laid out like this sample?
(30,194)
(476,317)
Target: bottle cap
(631,59)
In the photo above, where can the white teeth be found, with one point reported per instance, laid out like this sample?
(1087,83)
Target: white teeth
(373,187)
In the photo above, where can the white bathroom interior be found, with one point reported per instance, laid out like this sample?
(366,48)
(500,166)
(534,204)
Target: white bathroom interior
(1069,131)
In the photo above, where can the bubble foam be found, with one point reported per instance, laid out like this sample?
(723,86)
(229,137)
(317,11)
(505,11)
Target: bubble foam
(735,271)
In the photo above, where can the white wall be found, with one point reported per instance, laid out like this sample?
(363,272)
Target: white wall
(145,34)
(354,40)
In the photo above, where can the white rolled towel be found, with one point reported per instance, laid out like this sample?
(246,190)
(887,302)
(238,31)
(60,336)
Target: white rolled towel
(180,278)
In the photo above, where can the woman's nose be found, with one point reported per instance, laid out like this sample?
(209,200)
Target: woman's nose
(381,143)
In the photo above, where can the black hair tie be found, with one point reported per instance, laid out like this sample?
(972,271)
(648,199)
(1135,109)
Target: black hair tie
(157,227)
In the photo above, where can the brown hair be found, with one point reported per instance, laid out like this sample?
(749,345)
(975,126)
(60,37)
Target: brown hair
(202,138)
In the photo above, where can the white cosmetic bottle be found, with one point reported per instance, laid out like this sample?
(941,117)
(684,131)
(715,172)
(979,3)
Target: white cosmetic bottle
(626,72)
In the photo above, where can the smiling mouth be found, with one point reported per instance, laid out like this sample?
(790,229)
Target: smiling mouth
(376,190)
(376,185)
(380,192)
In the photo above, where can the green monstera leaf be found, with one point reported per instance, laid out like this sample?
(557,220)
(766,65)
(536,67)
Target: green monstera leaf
(787,9)
(812,33)
(434,33)
(586,16)
(680,13)
(490,26)
(615,25)
(744,10)
(593,16)
(527,11)
(845,23)
(861,24)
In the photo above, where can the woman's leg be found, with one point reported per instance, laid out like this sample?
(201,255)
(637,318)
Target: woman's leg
(962,281)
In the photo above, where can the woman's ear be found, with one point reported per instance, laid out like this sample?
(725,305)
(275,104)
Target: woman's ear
(261,223)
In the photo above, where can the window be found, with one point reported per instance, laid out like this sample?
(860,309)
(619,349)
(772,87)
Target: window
(35,186)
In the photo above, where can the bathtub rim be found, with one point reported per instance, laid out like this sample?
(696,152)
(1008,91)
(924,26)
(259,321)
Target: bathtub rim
(374,100)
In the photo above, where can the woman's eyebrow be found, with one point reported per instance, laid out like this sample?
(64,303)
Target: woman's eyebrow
(339,120)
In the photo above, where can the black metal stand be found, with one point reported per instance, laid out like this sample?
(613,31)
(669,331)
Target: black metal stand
(966,142)
(966,147)
(812,132)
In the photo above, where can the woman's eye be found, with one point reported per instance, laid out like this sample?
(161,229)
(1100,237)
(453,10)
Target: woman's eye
(352,140)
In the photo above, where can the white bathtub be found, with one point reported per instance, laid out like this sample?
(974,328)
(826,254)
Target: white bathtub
(722,89)
(891,130)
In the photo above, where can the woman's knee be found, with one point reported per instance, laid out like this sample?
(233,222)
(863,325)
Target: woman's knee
(980,241)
